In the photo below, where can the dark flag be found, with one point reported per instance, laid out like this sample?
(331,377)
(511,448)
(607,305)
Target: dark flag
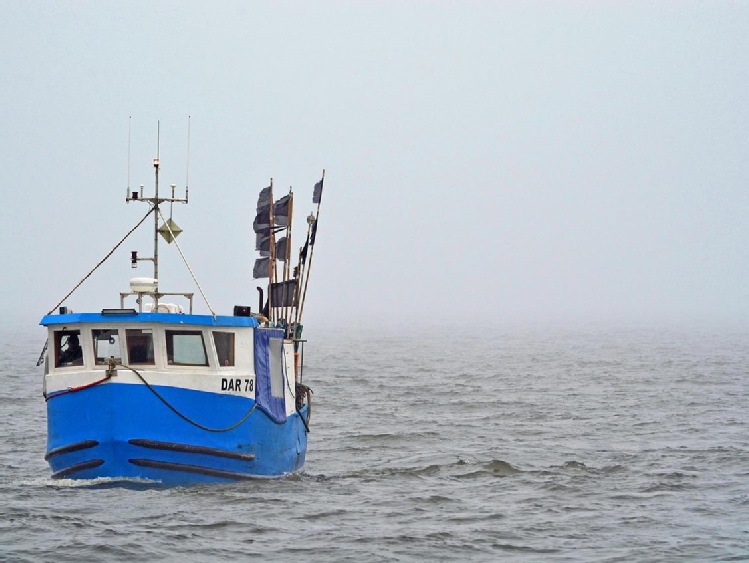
(283,293)
(281,212)
(303,253)
(281,249)
(262,241)
(261,224)
(263,200)
(261,268)
(264,248)
(317,193)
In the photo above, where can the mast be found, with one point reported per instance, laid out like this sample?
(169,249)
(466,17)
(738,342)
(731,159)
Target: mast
(168,231)
(156,164)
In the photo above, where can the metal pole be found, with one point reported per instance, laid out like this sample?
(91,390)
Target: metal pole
(156,164)
(129,126)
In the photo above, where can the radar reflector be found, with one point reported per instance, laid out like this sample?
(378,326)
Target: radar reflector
(169,230)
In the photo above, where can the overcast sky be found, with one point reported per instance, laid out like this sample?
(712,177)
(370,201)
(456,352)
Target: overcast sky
(486,161)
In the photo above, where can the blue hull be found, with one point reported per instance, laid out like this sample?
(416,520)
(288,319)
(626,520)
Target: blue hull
(124,431)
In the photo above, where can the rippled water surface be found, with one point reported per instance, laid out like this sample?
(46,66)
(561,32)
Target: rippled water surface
(580,445)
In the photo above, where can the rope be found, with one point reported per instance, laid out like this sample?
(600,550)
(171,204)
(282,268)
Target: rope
(298,405)
(40,361)
(186,264)
(185,417)
(162,399)
(100,263)
(74,389)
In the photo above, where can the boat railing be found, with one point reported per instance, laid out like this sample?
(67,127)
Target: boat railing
(156,295)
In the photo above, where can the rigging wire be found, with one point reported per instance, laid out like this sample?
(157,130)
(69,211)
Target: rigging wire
(100,262)
(186,264)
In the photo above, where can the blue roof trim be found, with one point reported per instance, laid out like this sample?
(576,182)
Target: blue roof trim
(161,318)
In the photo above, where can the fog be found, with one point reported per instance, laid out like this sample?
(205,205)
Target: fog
(486,162)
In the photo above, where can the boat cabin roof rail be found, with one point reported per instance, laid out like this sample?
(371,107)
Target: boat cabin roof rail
(157,296)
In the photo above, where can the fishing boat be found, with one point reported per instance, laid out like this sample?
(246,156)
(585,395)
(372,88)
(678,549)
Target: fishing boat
(148,389)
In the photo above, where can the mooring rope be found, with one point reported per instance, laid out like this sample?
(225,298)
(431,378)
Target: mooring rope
(299,404)
(52,310)
(183,416)
(300,387)
(174,239)
(74,389)
(109,375)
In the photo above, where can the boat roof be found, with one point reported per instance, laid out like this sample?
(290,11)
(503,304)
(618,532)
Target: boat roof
(130,316)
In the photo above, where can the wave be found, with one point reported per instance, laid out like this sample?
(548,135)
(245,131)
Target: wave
(493,468)
(459,469)
(99,482)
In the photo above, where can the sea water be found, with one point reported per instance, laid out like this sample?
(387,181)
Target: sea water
(462,445)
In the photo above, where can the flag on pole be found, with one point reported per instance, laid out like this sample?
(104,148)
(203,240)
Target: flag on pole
(281,212)
(281,249)
(262,240)
(284,293)
(263,200)
(261,268)
(261,224)
(317,193)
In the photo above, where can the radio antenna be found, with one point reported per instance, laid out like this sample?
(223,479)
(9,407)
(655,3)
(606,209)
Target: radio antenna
(187,168)
(129,125)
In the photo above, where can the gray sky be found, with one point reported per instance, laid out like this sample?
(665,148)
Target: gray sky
(486,161)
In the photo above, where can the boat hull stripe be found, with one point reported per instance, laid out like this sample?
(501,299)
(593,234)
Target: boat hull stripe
(84,445)
(191,469)
(77,467)
(191,449)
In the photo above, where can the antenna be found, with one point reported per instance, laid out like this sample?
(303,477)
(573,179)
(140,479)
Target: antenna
(187,169)
(129,124)
(156,201)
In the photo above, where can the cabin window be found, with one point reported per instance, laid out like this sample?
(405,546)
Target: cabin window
(224,347)
(185,348)
(68,351)
(139,345)
(106,345)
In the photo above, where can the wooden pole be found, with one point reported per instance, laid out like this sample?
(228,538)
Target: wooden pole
(300,276)
(311,250)
(288,310)
(272,242)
